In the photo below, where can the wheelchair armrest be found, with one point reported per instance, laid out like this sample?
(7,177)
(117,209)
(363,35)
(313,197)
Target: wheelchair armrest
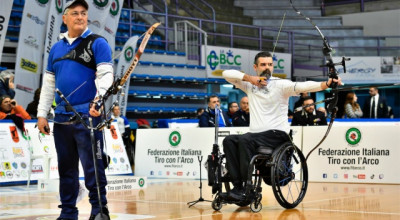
(265,150)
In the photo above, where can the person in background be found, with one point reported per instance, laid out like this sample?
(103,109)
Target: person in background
(10,110)
(351,107)
(299,102)
(308,115)
(7,83)
(199,111)
(241,118)
(32,106)
(123,123)
(375,106)
(125,131)
(207,119)
(232,108)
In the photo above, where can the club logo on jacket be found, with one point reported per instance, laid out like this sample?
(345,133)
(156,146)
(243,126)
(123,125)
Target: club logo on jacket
(85,56)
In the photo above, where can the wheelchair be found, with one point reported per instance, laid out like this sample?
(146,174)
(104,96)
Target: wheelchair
(283,168)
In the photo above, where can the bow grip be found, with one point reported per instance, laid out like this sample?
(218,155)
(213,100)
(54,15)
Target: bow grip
(97,104)
(333,75)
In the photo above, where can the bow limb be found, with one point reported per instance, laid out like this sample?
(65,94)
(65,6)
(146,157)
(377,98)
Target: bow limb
(117,85)
(333,116)
(139,53)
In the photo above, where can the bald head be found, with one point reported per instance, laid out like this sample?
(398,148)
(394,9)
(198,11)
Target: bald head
(244,104)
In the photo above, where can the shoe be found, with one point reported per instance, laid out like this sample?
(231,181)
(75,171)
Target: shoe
(237,193)
(105,212)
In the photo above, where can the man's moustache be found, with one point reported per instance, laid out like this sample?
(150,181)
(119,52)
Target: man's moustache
(266,73)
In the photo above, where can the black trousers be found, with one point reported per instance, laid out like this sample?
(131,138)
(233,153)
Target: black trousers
(239,149)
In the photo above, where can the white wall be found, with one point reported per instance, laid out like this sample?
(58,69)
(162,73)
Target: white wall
(380,23)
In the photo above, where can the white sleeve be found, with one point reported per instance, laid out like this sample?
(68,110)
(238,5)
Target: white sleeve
(104,77)
(308,86)
(295,88)
(46,94)
(235,77)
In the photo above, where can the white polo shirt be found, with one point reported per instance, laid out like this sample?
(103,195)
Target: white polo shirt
(269,105)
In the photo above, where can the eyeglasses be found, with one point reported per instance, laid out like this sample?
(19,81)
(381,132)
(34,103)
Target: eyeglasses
(76,13)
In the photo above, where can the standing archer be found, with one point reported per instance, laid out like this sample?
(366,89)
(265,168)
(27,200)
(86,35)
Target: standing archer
(268,101)
(80,60)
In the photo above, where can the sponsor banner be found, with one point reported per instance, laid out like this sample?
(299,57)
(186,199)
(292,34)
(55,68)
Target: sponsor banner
(28,64)
(104,17)
(15,154)
(5,11)
(174,153)
(361,70)
(124,61)
(115,148)
(54,23)
(282,63)
(117,183)
(354,153)
(223,58)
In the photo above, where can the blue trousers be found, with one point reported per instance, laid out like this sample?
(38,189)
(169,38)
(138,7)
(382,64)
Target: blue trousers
(73,143)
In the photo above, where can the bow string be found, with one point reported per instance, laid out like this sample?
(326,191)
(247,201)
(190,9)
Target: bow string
(332,73)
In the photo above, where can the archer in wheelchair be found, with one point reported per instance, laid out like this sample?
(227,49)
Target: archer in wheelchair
(266,152)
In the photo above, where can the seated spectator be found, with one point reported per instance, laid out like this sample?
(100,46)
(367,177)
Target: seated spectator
(10,110)
(7,83)
(308,115)
(199,112)
(32,106)
(241,118)
(299,102)
(351,108)
(207,119)
(232,108)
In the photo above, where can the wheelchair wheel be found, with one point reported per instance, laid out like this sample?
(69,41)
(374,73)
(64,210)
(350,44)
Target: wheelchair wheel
(216,203)
(255,206)
(289,176)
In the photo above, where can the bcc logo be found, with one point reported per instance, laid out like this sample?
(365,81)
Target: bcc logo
(213,59)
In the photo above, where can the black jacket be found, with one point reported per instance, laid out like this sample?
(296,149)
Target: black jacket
(304,118)
(382,110)
(207,119)
(241,119)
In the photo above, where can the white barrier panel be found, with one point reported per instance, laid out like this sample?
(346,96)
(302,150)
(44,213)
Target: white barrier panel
(173,153)
(15,156)
(354,152)
(117,183)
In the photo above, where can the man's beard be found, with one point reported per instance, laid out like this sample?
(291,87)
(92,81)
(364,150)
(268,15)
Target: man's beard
(266,73)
